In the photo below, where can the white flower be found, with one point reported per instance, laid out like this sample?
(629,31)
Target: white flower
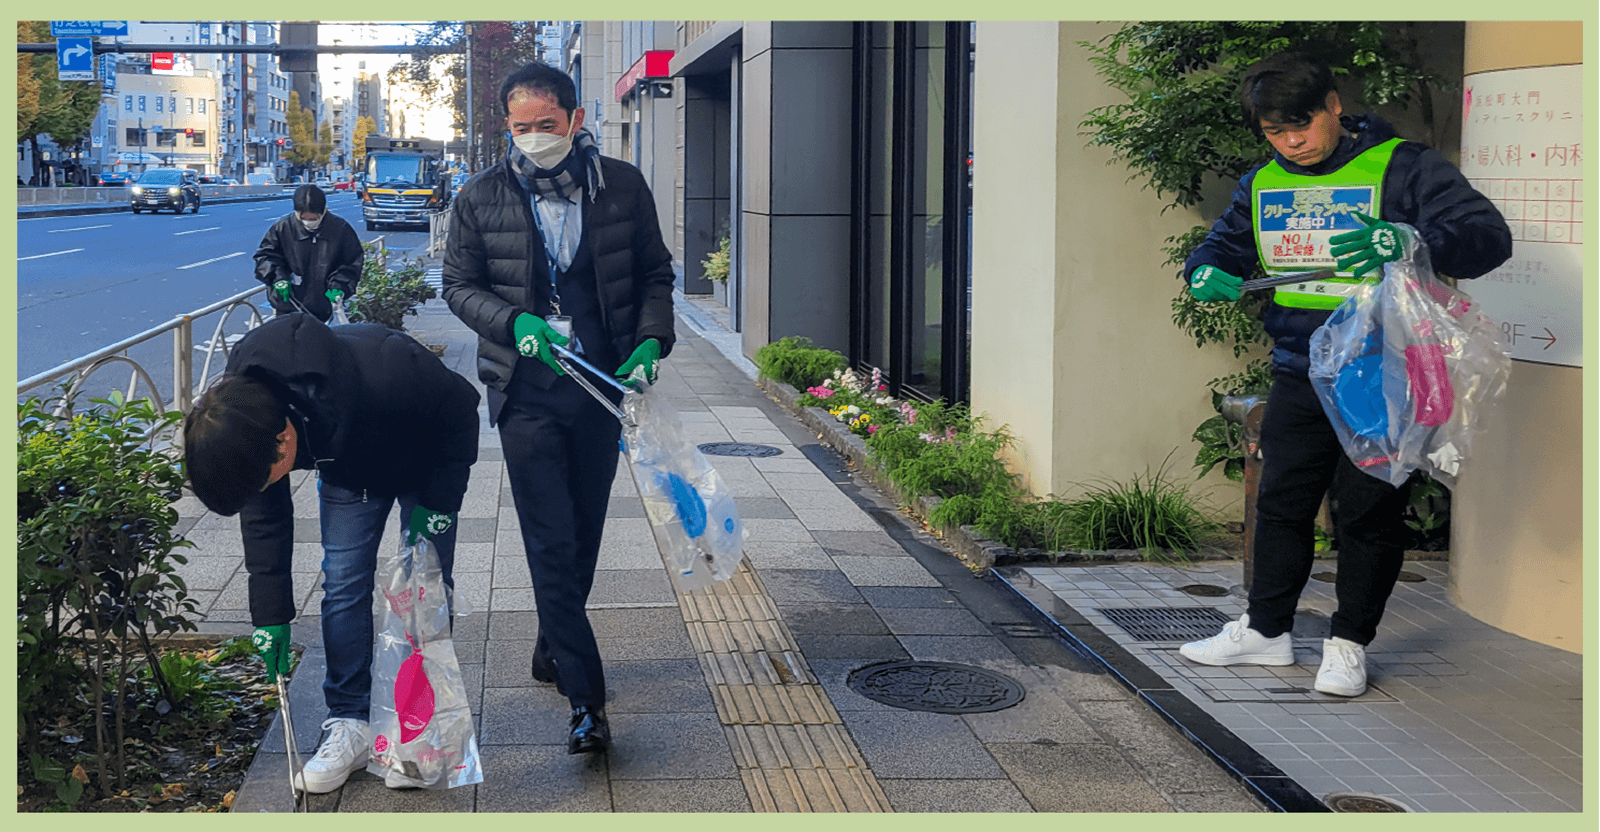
(853,410)
(882,400)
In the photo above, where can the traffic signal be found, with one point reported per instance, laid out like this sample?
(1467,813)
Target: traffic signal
(188,131)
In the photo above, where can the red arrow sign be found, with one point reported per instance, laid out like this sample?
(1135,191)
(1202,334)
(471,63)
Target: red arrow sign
(1551,338)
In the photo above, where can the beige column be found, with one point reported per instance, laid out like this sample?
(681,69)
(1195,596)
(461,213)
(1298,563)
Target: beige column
(1517,540)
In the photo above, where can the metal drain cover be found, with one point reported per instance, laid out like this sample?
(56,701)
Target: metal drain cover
(1405,577)
(937,687)
(1358,802)
(738,449)
(1205,590)
(1167,623)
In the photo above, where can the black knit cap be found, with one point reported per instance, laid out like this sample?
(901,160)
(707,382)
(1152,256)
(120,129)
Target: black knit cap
(310,198)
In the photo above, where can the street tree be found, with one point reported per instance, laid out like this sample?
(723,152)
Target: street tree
(302,132)
(63,110)
(365,127)
(498,47)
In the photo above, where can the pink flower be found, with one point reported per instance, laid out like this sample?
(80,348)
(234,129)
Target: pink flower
(820,392)
(871,429)
(882,387)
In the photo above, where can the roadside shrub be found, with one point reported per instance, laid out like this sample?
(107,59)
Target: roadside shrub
(798,362)
(1148,512)
(96,565)
(386,296)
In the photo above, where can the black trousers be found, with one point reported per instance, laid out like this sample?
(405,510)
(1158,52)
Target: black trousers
(561,455)
(1302,461)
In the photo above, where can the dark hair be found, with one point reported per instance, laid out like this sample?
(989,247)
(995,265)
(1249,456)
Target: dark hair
(544,79)
(230,441)
(309,198)
(1286,88)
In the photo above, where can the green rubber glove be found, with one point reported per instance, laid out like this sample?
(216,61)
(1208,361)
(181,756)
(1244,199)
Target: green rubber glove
(642,364)
(272,643)
(425,522)
(335,296)
(534,338)
(282,288)
(1209,283)
(1367,249)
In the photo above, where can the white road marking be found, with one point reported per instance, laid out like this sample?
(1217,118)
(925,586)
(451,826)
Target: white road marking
(212,260)
(195,231)
(79,228)
(54,253)
(269,208)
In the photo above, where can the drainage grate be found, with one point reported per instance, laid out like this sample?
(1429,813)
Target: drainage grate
(1205,590)
(937,687)
(738,449)
(1167,624)
(1404,577)
(1357,802)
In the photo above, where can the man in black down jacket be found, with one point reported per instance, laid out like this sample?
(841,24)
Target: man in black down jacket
(380,419)
(557,229)
(311,259)
(1328,199)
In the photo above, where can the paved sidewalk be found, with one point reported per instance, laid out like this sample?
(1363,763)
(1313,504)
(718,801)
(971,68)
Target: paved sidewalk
(735,698)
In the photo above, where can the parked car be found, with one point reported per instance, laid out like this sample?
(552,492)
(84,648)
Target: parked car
(342,185)
(115,177)
(325,184)
(229,181)
(173,188)
(260,179)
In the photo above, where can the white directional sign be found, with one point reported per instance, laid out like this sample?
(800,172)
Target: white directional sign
(88,28)
(75,59)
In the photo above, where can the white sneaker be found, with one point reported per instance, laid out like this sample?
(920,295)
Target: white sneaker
(343,752)
(1344,668)
(1238,644)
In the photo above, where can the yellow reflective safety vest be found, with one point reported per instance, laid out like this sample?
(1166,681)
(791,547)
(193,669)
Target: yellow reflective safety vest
(1293,216)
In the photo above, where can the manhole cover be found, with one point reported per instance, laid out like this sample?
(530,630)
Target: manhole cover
(938,687)
(1411,578)
(1205,590)
(738,449)
(1353,802)
(1167,624)
(1325,577)
(1332,577)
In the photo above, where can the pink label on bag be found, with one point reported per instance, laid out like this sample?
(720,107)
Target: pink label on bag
(380,744)
(413,698)
(1430,383)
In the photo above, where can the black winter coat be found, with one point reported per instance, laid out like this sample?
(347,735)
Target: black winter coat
(1465,234)
(328,258)
(495,267)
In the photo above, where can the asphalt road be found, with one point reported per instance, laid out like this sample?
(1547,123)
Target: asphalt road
(85,282)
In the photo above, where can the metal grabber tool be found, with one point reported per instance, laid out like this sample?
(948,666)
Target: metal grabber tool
(1286,280)
(289,744)
(566,358)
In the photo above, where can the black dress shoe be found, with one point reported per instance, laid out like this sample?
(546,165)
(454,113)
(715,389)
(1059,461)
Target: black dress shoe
(589,731)
(544,670)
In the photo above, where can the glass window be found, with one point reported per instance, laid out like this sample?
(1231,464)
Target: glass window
(131,136)
(202,105)
(197,138)
(190,109)
(172,104)
(127,103)
(141,103)
(159,102)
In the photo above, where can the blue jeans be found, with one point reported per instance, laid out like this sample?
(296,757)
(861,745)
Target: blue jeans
(352,530)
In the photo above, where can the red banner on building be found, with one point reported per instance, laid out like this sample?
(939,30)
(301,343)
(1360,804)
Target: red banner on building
(161,60)
(652,64)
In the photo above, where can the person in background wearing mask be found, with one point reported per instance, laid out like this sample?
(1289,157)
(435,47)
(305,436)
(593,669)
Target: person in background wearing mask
(598,262)
(1345,180)
(310,259)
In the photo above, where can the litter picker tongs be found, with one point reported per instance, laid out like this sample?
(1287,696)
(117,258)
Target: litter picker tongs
(564,356)
(289,744)
(1286,279)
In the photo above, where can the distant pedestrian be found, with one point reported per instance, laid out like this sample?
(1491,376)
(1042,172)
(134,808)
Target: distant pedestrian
(1356,179)
(310,259)
(557,229)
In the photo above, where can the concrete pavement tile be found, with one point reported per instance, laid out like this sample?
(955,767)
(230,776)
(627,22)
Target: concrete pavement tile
(1168,760)
(632,555)
(506,626)
(809,586)
(473,557)
(680,796)
(912,621)
(871,543)
(1041,717)
(954,796)
(886,597)
(1079,686)
(208,573)
(669,686)
(957,648)
(834,676)
(782,554)
(865,649)
(506,600)
(511,573)
(764,508)
(1238,800)
(852,619)
(368,794)
(902,571)
(639,624)
(1077,778)
(216,543)
(613,586)
(669,747)
(471,592)
(535,715)
(625,508)
(476,530)
(543,778)
(789,531)
(786,482)
(791,461)
(903,744)
(753,489)
(669,644)
(842,520)
(481,503)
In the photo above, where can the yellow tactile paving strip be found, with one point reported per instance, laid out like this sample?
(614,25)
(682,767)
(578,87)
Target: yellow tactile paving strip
(790,746)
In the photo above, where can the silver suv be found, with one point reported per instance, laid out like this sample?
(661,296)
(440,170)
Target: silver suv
(174,188)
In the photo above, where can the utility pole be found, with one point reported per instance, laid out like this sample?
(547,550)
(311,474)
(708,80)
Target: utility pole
(471,131)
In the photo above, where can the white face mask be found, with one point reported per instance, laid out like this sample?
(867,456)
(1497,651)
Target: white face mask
(545,150)
(311,225)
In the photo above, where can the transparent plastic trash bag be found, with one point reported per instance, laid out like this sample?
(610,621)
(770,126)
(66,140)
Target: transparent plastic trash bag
(691,510)
(421,722)
(1406,370)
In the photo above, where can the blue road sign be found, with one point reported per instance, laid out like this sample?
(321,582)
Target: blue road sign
(88,28)
(75,59)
